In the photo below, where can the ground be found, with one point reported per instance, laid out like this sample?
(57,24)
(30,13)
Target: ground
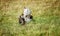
(46,15)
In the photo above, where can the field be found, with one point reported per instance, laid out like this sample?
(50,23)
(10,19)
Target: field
(46,15)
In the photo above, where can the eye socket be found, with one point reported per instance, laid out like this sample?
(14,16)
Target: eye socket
(31,17)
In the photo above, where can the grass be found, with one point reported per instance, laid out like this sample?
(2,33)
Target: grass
(46,15)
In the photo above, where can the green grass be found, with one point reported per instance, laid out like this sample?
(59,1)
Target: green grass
(46,19)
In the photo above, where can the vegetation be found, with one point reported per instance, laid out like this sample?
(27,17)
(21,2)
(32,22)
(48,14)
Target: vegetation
(46,14)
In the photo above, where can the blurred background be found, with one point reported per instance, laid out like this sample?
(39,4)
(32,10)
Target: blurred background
(46,15)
